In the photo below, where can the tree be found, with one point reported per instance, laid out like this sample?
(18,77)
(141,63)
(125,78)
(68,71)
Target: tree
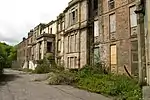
(8,54)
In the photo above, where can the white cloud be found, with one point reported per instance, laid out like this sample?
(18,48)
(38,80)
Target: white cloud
(17,17)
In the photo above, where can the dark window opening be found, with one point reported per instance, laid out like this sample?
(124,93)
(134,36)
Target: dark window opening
(73,16)
(40,50)
(95,4)
(51,31)
(111,4)
(49,47)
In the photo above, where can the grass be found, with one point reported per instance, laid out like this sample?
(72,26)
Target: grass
(92,79)
(113,85)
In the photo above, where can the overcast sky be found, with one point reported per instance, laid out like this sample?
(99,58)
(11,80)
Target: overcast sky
(17,17)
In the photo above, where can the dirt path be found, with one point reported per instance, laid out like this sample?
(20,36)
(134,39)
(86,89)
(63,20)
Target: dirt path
(17,85)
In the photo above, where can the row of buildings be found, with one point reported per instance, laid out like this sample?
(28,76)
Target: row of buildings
(88,31)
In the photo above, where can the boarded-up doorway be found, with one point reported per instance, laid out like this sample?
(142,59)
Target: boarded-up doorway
(113,58)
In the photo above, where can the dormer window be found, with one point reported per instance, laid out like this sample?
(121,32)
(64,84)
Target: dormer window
(111,4)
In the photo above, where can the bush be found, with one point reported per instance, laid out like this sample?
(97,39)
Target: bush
(42,68)
(63,77)
(97,79)
(46,65)
(119,86)
(1,64)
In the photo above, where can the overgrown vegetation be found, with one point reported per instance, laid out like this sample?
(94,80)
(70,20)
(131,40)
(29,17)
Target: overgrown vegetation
(7,55)
(97,79)
(47,65)
(119,86)
(94,78)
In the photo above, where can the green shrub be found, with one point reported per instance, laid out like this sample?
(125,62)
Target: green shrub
(63,77)
(97,79)
(42,68)
(47,65)
(1,64)
(119,86)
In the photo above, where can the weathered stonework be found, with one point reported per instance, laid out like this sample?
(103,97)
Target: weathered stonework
(122,36)
(82,28)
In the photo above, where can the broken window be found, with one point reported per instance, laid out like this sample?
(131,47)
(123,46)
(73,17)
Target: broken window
(73,16)
(40,50)
(59,45)
(49,47)
(111,4)
(95,4)
(51,30)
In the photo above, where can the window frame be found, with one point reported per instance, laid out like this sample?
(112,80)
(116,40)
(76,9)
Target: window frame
(112,24)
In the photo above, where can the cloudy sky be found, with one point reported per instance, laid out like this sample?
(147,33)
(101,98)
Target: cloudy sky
(17,17)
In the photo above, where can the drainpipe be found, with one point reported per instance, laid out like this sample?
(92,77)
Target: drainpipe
(141,41)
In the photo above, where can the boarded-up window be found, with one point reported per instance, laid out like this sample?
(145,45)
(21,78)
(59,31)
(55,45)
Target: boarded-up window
(59,45)
(133,16)
(96,55)
(112,19)
(73,16)
(113,54)
(96,29)
(134,51)
(134,57)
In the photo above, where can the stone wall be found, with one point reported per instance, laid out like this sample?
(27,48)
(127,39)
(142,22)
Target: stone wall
(122,34)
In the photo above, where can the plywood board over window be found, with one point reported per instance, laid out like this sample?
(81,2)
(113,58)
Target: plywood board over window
(133,17)
(134,57)
(96,55)
(112,19)
(113,56)
(96,29)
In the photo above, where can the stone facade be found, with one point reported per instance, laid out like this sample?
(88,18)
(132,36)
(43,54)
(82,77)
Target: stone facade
(40,41)
(75,34)
(147,34)
(117,36)
(90,31)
